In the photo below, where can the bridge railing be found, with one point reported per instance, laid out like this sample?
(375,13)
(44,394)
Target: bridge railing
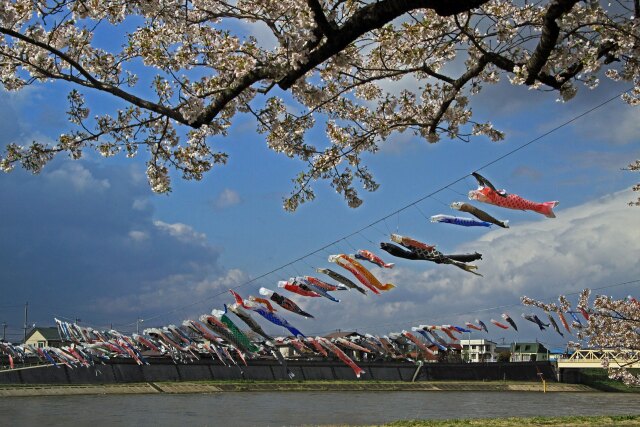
(594,357)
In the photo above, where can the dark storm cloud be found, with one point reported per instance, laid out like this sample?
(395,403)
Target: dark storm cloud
(80,233)
(82,238)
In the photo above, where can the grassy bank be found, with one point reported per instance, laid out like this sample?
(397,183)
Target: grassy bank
(622,420)
(314,385)
(283,386)
(599,379)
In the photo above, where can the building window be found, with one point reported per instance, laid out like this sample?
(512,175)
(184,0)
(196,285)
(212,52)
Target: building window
(40,344)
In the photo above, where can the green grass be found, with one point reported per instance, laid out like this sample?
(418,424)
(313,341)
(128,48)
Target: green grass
(598,379)
(622,420)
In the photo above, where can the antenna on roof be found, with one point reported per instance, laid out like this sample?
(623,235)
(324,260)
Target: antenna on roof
(26,316)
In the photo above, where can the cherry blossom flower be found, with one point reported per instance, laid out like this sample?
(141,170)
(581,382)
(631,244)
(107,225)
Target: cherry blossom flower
(334,57)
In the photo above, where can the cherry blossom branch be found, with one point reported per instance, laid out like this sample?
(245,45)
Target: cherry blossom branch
(366,19)
(548,38)
(92,81)
(327,28)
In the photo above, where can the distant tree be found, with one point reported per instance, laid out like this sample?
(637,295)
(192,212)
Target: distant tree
(504,356)
(186,69)
(613,324)
(450,356)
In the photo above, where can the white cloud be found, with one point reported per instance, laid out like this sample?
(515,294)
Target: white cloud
(137,175)
(182,232)
(141,204)
(232,278)
(76,176)
(585,245)
(227,198)
(138,236)
(605,160)
(24,97)
(617,125)
(175,291)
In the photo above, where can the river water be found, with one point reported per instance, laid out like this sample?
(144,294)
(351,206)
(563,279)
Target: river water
(302,408)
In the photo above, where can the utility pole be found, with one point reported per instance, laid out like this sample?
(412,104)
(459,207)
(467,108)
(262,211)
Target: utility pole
(4,331)
(26,317)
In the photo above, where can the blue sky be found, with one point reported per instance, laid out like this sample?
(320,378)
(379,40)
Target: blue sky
(88,239)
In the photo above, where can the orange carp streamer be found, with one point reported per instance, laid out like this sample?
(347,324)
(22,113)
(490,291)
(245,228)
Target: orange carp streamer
(361,273)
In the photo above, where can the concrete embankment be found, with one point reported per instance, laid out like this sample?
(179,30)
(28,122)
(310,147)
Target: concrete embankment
(280,386)
(165,370)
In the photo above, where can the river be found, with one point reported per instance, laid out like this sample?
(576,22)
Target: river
(303,408)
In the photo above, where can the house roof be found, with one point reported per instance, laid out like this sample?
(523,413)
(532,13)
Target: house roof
(342,334)
(49,333)
(528,347)
(561,350)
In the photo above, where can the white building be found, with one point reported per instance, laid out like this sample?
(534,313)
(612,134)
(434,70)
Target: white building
(478,351)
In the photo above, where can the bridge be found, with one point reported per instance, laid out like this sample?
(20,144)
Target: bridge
(593,358)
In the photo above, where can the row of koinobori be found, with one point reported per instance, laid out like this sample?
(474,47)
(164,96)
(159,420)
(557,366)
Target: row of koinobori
(216,333)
